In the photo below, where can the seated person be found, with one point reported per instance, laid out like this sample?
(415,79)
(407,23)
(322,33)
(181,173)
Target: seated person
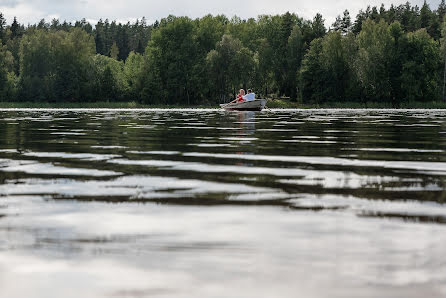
(240,95)
(250,96)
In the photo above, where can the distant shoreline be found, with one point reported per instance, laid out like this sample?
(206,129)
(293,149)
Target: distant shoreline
(272,104)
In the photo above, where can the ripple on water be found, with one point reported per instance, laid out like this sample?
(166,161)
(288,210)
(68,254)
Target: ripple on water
(206,202)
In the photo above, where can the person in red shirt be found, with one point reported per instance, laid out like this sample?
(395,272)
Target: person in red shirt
(240,95)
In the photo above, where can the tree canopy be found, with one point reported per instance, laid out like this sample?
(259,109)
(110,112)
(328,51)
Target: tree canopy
(390,54)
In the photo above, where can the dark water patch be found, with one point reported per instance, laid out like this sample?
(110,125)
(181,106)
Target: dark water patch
(435,219)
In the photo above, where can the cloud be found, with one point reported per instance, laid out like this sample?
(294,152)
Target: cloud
(31,11)
(22,11)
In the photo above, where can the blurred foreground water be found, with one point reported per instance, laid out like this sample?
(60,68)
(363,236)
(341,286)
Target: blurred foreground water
(207,203)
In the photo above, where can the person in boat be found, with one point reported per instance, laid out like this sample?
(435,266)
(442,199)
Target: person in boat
(250,96)
(240,95)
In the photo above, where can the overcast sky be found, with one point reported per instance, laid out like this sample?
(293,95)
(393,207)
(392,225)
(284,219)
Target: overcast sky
(31,11)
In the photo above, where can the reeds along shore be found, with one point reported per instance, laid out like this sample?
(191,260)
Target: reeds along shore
(388,56)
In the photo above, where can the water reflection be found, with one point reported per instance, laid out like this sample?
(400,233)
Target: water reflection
(202,202)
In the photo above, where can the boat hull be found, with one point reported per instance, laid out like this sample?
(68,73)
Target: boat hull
(253,105)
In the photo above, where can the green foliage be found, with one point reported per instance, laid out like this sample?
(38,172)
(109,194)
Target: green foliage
(8,80)
(386,56)
(54,64)
(312,73)
(372,68)
(327,74)
(209,31)
(132,73)
(343,24)
(295,52)
(107,78)
(318,27)
(230,66)
(173,55)
(420,78)
(114,51)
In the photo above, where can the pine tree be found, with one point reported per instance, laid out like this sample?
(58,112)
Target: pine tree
(55,24)
(100,38)
(140,47)
(318,26)
(382,12)
(43,25)
(15,29)
(391,14)
(2,29)
(434,28)
(124,48)
(441,11)
(343,24)
(425,15)
(375,15)
(285,28)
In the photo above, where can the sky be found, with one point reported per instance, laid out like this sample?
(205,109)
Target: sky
(32,11)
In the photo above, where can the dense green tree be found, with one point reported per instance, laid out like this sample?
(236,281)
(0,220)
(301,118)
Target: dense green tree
(425,16)
(7,76)
(434,28)
(100,38)
(53,64)
(264,72)
(281,61)
(124,41)
(408,17)
(312,74)
(243,30)
(209,31)
(326,74)
(132,72)
(382,12)
(83,24)
(391,14)
(230,66)
(174,53)
(375,43)
(374,15)
(420,72)
(149,81)
(295,52)
(114,51)
(106,79)
(395,60)
(318,27)
(43,25)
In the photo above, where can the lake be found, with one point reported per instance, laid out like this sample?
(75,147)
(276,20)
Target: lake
(207,203)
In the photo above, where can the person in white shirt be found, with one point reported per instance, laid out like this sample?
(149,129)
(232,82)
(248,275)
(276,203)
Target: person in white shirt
(250,96)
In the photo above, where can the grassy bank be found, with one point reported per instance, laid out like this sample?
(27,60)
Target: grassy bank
(272,104)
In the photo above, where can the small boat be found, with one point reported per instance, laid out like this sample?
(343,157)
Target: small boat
(252,105)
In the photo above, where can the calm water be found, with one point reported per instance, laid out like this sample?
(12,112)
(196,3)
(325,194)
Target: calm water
(205,203)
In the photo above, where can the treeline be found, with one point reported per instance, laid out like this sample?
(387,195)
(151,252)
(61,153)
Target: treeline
(391,55)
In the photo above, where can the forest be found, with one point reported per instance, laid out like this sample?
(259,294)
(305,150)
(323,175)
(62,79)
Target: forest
(393,54)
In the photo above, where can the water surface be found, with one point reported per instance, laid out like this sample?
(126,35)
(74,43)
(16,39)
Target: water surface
(207,203)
